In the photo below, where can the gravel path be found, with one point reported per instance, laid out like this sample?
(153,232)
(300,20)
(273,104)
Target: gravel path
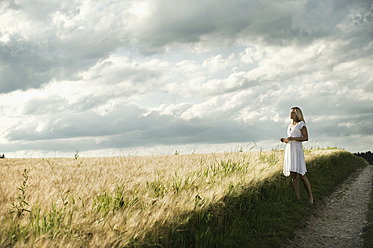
(339,221)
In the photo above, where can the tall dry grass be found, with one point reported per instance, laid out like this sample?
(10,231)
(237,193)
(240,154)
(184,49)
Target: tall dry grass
(113,201)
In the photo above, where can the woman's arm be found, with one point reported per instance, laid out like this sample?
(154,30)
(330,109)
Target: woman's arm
(303,138)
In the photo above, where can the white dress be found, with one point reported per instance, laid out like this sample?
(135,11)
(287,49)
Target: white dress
(294,155)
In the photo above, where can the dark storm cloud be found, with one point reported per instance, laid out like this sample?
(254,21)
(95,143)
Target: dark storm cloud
(41,45)
(23,65)
(130,127)
(193,21)
(270,21)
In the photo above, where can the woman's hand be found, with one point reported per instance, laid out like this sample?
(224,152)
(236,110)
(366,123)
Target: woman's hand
(300,139)
(284,140)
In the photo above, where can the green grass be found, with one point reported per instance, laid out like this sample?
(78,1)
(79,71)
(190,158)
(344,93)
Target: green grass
(260,216)
(368,229)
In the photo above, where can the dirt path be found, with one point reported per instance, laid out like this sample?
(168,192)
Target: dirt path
(339,221)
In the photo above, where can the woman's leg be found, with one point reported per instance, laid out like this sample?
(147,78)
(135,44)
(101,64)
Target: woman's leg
(307,185)
(295,182)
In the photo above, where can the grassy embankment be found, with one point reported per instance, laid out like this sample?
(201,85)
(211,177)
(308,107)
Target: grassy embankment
(202,200)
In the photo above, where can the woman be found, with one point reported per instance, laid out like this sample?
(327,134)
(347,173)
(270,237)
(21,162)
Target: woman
(294,163)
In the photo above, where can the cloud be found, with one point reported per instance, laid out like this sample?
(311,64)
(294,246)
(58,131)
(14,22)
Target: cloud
(57,40)
(112,74)
(195,22)
(212,24)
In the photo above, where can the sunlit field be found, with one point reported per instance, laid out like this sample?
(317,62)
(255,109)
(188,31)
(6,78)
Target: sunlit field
(122,201)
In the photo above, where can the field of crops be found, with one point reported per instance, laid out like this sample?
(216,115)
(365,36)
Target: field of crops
(183,200)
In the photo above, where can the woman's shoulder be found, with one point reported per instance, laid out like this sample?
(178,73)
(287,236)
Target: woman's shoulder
(301,124)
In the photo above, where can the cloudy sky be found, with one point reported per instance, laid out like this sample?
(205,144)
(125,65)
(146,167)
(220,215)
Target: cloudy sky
(95,75)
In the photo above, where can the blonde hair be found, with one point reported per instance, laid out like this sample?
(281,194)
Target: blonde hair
(298,113)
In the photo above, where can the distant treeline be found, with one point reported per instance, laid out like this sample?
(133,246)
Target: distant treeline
(368,156)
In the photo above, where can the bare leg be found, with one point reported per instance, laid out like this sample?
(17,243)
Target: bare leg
(295,182)
(307,186)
